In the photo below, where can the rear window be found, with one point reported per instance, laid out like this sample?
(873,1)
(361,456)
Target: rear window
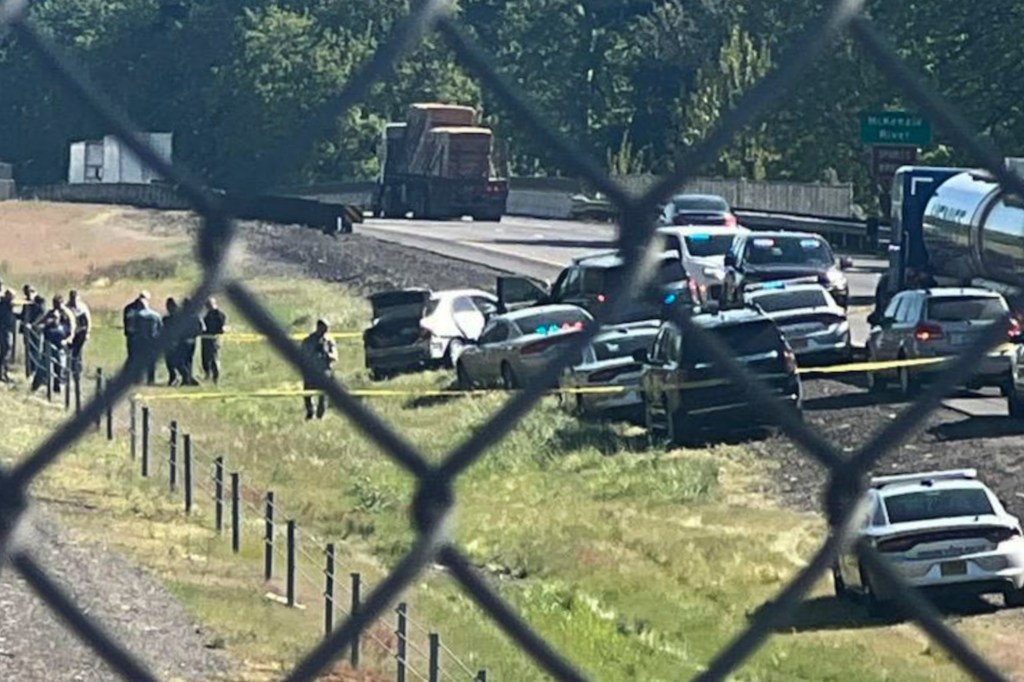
(704,245)
(700,204)
(791,300)
(624,347)
(750,338)
(549,323)
(607,280)
(960,309)
(937,504)
(788,251)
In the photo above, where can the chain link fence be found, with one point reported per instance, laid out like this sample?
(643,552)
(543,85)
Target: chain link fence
(434,500)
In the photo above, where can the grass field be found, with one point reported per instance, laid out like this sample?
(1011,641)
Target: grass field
(636,562)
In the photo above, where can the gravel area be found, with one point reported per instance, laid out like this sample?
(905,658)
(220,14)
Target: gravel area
(848,416)
(129,603)
(360,262)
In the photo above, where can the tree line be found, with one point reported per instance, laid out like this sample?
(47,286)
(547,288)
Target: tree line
(634,82)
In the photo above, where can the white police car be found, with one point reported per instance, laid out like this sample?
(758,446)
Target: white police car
(941,530)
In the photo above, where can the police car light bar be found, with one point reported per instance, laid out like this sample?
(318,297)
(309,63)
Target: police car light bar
(780,283)
(950,475)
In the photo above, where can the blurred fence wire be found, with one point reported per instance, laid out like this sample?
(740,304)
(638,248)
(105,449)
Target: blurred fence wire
(435,498)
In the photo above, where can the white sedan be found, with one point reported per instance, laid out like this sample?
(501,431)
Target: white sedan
(702,251)
(941,531)
(452,316)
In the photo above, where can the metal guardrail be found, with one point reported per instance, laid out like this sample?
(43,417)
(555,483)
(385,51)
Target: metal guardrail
(435,500)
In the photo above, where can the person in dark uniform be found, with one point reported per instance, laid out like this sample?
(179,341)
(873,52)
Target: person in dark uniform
(146,327)
(55,336)
(321,349)
(187,348)
(171,358)
(83,323)
(8,331)
(214,324)
(128,317)
(32,312)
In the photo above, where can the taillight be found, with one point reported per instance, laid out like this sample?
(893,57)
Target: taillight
(897,545)
(1015,328)
(538,346)
(997,535)
(730,220)
(789,358)
(928,332)
(601,298)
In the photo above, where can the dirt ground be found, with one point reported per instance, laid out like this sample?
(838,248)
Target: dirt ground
(74,240)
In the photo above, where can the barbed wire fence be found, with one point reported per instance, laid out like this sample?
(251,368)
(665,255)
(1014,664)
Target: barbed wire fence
(434,501)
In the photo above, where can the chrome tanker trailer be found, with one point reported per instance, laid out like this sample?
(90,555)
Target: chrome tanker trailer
(973,233)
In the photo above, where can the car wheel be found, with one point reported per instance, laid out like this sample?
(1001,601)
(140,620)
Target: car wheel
(462,377)
(908,383)
(675,425)
(1014,599)
(839,585)
(508,377)
(1014,400)
(378,374)
(452,353)
(875,379)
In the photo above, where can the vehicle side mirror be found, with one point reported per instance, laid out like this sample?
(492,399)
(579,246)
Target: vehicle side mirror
(640,355)
(845,263)
(730,260)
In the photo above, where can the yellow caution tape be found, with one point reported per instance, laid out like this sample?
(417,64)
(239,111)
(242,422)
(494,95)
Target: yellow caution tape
(875,366)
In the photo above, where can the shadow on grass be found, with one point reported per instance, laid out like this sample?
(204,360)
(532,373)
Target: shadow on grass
(601,436)
(833,613)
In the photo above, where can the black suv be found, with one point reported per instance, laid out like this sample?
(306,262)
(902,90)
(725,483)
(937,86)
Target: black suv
(776,256)
(683,390)
(590,282)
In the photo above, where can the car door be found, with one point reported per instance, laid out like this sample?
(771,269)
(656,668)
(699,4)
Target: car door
(849,562)
(907,318)
(516,292)
(884,337)
(468,318)
(567,288)
(478,360)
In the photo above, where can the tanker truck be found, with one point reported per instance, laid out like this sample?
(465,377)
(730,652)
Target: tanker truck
(954,226)
(437,164)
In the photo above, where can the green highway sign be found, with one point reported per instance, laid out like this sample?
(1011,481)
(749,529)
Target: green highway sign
(895,128)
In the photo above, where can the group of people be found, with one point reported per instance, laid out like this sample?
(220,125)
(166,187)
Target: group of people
(142,326)
(54,335)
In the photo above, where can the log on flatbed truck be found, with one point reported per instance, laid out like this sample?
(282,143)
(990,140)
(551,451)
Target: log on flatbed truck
(440,164)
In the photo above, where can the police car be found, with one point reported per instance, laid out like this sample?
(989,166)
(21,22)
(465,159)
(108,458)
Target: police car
(814,325)
(942,530)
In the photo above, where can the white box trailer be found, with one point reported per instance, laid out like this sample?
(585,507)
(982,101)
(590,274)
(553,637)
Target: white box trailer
(110,161)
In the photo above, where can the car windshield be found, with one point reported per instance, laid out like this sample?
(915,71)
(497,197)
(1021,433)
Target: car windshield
(704,245)
(788,251)
(791,300)
(624,346)
(606,280)
(551,322)
(966,308)
(748,338)
(685,203)
(937,504)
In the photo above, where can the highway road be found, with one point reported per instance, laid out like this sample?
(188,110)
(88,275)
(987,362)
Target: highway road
(540,248)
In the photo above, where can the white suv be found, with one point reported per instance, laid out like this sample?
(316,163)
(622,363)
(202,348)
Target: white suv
(938,530)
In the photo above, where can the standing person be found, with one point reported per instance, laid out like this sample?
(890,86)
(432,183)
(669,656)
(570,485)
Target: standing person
(55,335)
(83,323)
(146,328)
(193,330)
(31,313)
(215,324)
(171,357)
(128,317)
(8,330)
(321,349)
